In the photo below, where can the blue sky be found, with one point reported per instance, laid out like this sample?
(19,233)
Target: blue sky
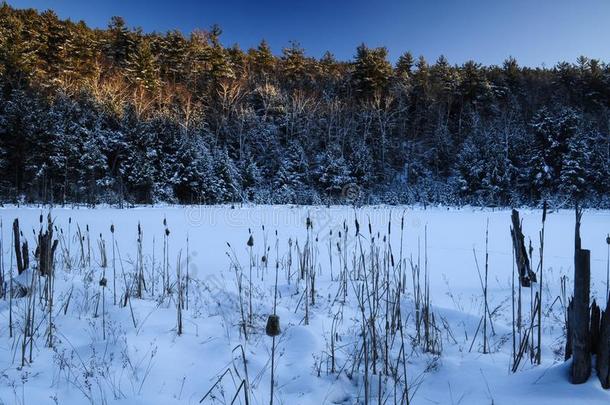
(536,32)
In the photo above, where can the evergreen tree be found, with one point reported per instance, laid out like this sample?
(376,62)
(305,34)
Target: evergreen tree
(291,177)
(332,173)
(119,43)
(404,65)
(194,179)
(573,176)
(372,71)
(227,179)
(142,66)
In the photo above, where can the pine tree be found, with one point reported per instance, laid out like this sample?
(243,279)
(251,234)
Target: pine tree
(573,177)
(332,173)
(119,43)
(552,134)
(294,64)
(372,71)
(194,178)
(172,56)
(251,175)
(227,179)
(404,65)
(142,66)
(291,177)
(262,61)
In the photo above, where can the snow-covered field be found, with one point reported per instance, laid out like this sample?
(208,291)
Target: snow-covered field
(143,360)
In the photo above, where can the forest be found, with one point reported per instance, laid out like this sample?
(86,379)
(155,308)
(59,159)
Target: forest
(122,116)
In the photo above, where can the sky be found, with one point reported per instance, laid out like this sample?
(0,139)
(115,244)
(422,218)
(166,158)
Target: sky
(535,32)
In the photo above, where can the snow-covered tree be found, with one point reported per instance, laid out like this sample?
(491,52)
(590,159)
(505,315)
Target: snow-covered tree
(227,179)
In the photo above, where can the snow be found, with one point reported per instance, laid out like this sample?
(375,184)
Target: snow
(151,364)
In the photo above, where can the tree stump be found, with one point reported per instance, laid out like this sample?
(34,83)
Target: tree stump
(526,275)
(580,327)
(45,251)
(603,349)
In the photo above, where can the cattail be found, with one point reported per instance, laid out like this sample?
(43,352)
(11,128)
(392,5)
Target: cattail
(544,208)
(166,232)
(250,241)
(608,239)
(308,223)
(273,326)
(112,228)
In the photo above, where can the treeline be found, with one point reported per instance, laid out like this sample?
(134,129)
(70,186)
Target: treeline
(119,115)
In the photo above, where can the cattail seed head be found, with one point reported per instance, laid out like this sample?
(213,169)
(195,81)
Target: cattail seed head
(112,228)
(544,208)
(608,239)
(273,326)
(250,241)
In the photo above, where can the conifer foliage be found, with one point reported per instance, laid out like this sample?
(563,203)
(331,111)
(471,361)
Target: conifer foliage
(118,115)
